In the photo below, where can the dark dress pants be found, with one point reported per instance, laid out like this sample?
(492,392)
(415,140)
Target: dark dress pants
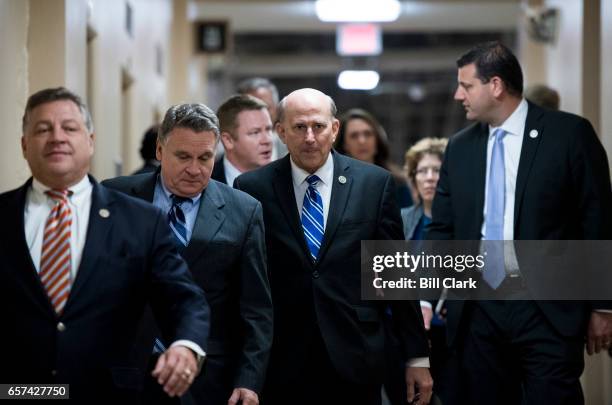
(512,355)
(317,383)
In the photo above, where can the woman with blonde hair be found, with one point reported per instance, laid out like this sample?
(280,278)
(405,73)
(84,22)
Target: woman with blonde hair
(422,166)
(423,162)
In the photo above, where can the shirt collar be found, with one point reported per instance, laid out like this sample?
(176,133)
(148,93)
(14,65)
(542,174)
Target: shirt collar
(515,123)
(231,172)
(325,172)
(79,188)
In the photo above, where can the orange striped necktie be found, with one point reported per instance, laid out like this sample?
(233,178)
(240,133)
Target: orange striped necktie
(55,261)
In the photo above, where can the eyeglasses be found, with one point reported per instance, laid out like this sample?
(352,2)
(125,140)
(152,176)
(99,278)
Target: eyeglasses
(423,171)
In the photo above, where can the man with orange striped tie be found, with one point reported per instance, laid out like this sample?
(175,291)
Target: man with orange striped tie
(79,264)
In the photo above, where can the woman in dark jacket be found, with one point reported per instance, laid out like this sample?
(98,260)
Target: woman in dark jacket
(362,137)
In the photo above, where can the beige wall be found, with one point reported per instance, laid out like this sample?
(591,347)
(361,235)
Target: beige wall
(606,136)
(14,85)
(606,77)
(564,60)
(123,114)
(83,45)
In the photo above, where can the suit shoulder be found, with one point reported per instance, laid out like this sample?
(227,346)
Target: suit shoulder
(261,174)
(124,183)
(466,133)
(127,203)
(237,197)
(367,167)
(11,195)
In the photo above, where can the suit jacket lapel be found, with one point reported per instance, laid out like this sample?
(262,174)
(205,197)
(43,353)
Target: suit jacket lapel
(338,201)
(209,220)
(145,189)
(19,249)
(100,224)
(528,153)
(283,187)
(479,167)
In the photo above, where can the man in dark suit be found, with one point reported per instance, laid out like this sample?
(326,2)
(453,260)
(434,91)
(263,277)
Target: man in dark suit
(520,172)
(79,265)
(246,133)
(223,244)
(318,206)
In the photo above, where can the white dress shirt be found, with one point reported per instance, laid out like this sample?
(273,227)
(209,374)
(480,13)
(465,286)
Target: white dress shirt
(326,174)
(38,206)
(300,185)
(513,143)
(231,172)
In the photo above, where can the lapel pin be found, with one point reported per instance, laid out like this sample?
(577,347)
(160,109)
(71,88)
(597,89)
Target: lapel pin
(533,133)
(104,213)
(341,179)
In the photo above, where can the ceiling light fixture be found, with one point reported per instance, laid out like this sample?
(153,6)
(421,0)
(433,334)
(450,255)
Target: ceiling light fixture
(358,79)
(357,10)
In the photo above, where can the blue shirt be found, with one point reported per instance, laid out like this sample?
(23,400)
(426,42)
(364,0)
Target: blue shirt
(161,199)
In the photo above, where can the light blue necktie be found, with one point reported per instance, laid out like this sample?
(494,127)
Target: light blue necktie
(312,216)
(494,271)
(176,218)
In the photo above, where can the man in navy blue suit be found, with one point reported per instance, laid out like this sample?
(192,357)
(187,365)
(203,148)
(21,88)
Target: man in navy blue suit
(520,172)
(79,263)
(318,205)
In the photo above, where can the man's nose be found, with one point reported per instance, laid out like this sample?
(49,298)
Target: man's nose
(57,134)
(193,167)
(266,138)
(459,94)
(310,136)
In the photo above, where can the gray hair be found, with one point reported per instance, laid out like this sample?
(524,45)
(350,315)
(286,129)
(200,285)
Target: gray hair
(196,117)
(250,85)
(280,111)
(56,94)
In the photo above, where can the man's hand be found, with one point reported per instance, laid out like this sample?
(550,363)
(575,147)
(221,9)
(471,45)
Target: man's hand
(245,395)
(175,370)
(419,380)
(599,335)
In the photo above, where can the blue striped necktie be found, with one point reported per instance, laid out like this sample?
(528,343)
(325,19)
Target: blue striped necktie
(494,271)
(178,224)
(312,216)
(176,218)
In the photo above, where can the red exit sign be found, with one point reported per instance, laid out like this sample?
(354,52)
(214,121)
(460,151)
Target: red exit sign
(358,39)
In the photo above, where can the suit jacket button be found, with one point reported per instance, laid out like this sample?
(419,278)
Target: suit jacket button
(61,327)
(315,274)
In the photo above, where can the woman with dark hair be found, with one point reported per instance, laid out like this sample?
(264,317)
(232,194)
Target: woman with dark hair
(362,137)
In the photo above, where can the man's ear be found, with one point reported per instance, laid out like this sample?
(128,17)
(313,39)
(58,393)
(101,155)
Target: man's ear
(498,86)
(227,140)
(23,145)
(158,150)
(335,129)
(280,131)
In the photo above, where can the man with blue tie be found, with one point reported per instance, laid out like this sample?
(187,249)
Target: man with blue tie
(220,234)
(78,267)
(520,172)
(318,205)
